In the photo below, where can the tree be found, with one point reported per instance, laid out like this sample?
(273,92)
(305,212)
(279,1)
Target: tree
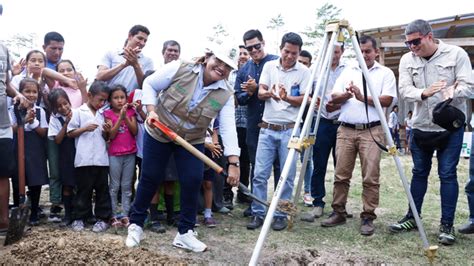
(220,33)
(324,14)
(21,43)
(276,24)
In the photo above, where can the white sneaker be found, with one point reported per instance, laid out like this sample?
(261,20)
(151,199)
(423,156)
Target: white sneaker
(189,241)
(77,225)
(307,199)
(100,226)
(135,235)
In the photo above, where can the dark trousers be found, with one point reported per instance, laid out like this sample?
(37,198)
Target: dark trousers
(448,159)
(90,179)
(218,181)
(244,164)
(325,142)
(190,173)
(34,193)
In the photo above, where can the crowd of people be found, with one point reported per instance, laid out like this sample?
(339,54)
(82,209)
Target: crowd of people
(239,106)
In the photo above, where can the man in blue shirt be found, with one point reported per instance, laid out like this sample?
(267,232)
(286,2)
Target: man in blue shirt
(246,90)
(53,48)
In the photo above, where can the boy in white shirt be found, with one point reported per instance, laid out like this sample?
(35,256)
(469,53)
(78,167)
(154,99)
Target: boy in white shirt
(91,162)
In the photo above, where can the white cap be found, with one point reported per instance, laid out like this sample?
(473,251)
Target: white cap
(225,55)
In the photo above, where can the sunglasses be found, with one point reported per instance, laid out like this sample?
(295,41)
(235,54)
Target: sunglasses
(415,42)
(255,46)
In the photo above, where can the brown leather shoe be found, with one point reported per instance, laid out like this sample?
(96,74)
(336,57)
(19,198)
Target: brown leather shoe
(334,219)
(367,227)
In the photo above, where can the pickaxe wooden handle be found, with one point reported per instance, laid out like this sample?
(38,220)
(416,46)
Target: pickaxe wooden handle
(179,140)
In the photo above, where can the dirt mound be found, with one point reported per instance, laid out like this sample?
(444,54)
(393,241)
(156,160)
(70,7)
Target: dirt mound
(46,246)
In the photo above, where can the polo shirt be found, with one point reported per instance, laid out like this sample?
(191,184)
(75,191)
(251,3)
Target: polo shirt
(295,80)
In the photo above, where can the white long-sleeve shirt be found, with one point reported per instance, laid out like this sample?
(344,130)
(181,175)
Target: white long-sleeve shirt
(161,80)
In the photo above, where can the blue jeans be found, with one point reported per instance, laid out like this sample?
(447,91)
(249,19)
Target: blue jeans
(325,141)
(470,183)
(190,173)
(252,135)
(448,159)
(270,144)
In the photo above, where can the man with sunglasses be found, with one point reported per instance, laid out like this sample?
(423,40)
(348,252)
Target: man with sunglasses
(430,73)
(246,90)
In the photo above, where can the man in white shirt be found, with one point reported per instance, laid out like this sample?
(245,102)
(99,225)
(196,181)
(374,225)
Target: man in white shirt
(128,66)
(282,86)
(354,136)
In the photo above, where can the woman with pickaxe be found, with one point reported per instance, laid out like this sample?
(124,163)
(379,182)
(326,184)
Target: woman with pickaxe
(185,96)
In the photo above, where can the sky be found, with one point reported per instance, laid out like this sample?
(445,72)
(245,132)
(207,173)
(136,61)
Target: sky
(91,28)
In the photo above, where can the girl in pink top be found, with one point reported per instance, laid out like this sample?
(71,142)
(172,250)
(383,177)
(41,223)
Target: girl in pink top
(122,149)
(76,96)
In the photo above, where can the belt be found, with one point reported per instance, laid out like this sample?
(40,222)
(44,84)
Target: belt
(275,126)
(361,126)
(332,121)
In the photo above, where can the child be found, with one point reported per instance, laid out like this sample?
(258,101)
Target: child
(122,150)
(62,113)
(135,99)
(76,96)
(91,161)
(214,150)
(36,69)
(36,128)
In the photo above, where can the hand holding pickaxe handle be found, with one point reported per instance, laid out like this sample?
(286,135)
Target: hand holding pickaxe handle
(179,140)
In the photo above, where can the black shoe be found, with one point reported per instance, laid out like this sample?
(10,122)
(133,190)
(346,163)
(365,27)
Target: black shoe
(157,227)
(404,225)
(228,203)
(56,209)
(65,222)
(242,198)
(91,220)
(446,234)
(467,229)
(41,214)
(172,220)
(279,223)
(34,220)
(248,212)
(255,223)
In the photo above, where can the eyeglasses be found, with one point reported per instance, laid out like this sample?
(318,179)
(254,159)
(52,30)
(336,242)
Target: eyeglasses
(255,46)
(415,42)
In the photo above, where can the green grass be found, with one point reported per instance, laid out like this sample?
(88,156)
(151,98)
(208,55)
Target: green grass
(344,244)
(309,243)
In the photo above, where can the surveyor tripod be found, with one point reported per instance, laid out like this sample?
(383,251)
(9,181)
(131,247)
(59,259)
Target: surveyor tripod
(304,140)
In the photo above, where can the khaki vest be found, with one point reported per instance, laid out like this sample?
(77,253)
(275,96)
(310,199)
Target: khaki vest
(173,103)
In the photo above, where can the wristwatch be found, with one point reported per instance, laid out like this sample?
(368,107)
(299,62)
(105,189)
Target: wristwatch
(236,164)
